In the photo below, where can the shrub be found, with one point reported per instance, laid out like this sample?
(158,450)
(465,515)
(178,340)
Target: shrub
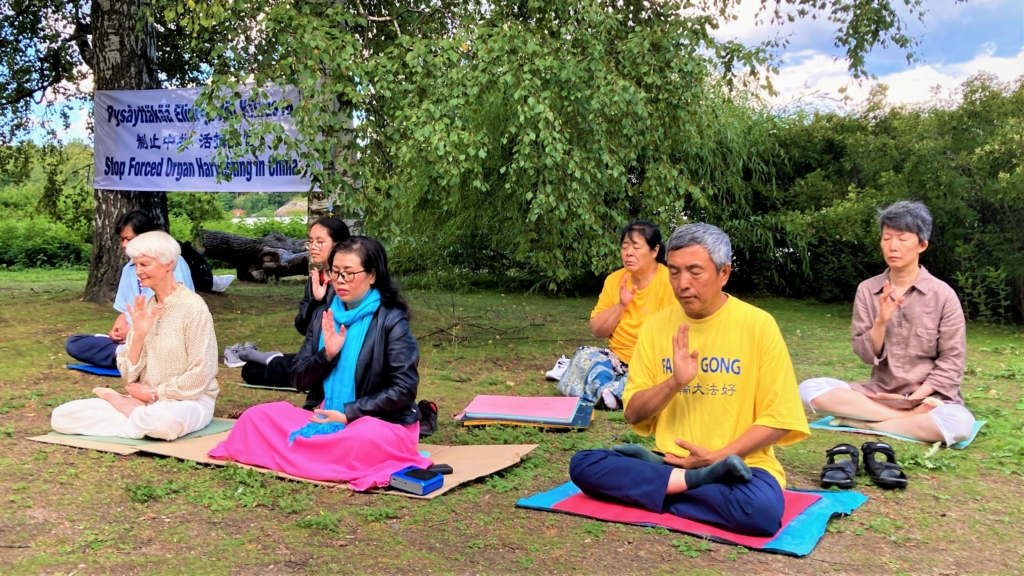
(291,227)
(37,243)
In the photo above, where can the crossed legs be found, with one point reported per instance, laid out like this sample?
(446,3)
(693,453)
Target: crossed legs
(931,421)
(752,507)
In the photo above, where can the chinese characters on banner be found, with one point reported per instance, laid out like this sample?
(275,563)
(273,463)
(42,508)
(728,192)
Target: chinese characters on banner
(139,136)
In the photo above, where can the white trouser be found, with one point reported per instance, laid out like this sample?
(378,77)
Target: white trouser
(954,421)
(164,419)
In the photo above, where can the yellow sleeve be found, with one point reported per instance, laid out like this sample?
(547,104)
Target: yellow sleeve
(778,398)
(641,376)
(610,293)
(663,297)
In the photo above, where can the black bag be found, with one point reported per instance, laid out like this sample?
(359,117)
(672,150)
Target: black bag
(428,418)
(202,273)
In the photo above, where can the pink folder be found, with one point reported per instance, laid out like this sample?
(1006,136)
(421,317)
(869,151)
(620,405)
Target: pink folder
(549,408)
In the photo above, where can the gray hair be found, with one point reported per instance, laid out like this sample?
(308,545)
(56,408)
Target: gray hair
(907,216)
(155,244)
(710,237)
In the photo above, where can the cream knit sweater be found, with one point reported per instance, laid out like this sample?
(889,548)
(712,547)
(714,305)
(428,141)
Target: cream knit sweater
(179,356)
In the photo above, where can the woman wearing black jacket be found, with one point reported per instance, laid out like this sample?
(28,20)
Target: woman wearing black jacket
(274,369)
(362,358)
(386,375)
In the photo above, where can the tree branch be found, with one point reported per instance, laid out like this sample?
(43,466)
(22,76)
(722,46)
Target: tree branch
(81,37)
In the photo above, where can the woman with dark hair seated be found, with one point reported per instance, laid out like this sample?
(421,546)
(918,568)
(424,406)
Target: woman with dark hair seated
(363,356)
(102,349)
(630,296)
(273,369)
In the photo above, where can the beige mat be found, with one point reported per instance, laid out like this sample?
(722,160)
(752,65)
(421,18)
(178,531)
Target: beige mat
(468,462)
(122,449)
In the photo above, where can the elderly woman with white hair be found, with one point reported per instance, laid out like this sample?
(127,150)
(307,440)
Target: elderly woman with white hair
(169,361)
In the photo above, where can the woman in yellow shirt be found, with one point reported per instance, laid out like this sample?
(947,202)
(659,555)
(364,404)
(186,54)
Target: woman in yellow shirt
(630,296)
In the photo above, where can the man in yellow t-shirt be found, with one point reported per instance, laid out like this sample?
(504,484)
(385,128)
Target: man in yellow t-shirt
(713,381)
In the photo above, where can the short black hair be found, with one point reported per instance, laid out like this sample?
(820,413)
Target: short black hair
(336,229)
(649,232)
(138,220)
(373,258)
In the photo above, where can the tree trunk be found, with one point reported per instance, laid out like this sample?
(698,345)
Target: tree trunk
(257,259)
(320,203)
(124,59)
(317,206)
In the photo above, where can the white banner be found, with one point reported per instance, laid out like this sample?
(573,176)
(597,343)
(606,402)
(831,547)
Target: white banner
(138,134)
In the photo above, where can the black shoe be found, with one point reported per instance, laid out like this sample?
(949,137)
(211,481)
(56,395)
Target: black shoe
(840,474)
(887,473)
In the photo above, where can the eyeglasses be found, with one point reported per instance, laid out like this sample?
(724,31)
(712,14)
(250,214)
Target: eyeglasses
(346,277)
(314,243)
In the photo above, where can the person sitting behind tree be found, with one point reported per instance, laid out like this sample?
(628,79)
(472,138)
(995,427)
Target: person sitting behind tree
(273,369)
(101,350)
(169,360)
(909,326)
(630,296)
(712,380)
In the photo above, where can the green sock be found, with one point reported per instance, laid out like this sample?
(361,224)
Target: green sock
(730,470)
(639,452)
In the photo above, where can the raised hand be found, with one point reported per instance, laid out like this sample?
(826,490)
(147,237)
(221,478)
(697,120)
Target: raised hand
(319,288)
(142,319)
(887,304)
(625,293)
(684,361)
(334,339)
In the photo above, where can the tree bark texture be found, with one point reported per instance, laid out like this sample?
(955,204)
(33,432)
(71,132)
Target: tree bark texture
(124,58)
(257,259)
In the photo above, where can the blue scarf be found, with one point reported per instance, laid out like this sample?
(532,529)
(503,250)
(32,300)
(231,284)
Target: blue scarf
(340,384)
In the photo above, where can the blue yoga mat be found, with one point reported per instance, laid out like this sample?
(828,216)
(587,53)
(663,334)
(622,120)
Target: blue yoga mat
(802,533)
(798,538)
(823,425)
(97,370)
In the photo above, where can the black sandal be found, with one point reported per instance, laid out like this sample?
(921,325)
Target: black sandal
(840,474)
(887,473)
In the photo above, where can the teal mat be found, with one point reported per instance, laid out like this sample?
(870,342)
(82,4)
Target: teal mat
(273,388)
(823,425)
(214,427)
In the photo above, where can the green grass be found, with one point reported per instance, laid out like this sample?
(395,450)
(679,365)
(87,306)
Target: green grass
(65,508)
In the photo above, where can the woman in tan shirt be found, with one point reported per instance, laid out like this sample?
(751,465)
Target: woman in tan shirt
(169,361)
(909,326)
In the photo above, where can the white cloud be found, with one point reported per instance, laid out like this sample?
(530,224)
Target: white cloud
(752,25)
(78,129)
(816,79)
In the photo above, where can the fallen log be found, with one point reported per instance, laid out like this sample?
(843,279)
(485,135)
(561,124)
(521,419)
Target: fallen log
(257,259)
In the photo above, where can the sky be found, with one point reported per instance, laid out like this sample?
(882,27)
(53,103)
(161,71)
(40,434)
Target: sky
(957,40)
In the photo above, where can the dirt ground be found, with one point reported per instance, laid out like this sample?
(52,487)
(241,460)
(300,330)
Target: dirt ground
(73,511)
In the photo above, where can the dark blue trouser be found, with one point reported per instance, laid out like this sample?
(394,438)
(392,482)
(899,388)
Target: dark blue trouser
(753,508)
(95,350)
(276,374)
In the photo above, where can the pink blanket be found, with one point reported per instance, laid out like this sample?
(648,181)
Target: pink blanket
(364,454)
